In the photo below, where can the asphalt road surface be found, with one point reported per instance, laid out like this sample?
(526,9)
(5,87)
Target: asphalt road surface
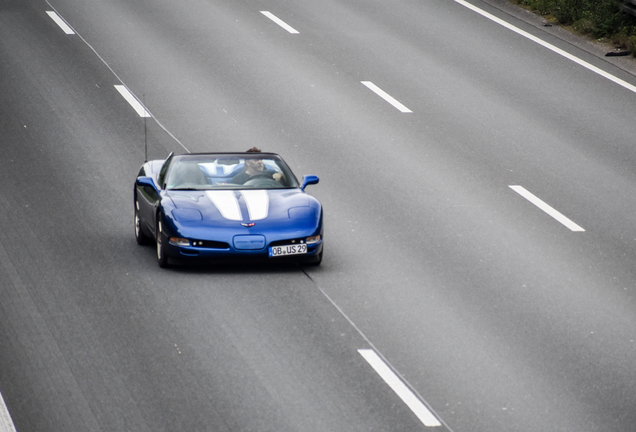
(479,188)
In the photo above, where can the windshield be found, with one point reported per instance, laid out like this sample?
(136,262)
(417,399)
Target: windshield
(242,171)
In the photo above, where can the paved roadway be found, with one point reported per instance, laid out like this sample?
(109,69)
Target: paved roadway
(498,316)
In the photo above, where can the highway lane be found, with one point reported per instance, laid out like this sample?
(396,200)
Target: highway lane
(496,313)
(90,342)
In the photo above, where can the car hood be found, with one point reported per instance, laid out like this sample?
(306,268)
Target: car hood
(223,207)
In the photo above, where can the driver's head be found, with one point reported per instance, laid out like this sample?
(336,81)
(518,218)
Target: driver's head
(254,166)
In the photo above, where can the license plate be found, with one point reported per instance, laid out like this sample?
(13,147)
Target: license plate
(298,249)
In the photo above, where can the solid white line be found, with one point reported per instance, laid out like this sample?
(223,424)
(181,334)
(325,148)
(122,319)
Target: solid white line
(384,95)
(121,81)
(398,386)
(6,424)
(59,21)
(549,46)
(132,100)
(546,208)
(279,21)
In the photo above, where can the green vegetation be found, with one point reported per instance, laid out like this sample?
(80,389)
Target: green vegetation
(601,19)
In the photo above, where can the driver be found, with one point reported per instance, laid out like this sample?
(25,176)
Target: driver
(255,167)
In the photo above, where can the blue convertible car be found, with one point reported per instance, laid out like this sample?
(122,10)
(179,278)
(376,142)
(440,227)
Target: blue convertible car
(227,205)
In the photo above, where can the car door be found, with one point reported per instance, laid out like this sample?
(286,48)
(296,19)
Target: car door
(149,194)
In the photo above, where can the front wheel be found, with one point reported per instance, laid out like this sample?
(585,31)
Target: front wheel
(140,235)
(318,260)
(162,257)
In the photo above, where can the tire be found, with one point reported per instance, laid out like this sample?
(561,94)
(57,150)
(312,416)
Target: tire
(162,257)
(318,260)
(140,235)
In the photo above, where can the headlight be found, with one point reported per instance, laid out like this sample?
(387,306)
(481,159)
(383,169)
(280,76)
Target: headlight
(186,215)
(178,241)
(301,213)
(313,240)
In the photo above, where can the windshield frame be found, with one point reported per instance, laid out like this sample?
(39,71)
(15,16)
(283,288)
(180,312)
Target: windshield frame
(218,175)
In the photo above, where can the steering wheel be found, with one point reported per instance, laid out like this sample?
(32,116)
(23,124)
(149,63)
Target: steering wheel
(262,180)
(260,176)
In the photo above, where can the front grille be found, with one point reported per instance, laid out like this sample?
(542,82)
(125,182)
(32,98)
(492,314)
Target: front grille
(287,242)
(211,244)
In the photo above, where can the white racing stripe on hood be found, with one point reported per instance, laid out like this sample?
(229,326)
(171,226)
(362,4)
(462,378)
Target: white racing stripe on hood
(226,203)
(257,202)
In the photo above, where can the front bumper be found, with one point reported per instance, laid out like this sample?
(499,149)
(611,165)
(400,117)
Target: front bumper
(231,254)
(243,243)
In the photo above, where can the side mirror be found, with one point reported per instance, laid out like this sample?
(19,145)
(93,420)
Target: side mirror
(146,182)
(309,180)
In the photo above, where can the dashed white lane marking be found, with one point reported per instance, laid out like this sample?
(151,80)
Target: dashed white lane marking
(60,22)
(384,95)
(143,112)
(6,424)
(546,208)
(549,46)
(133,101)
(398,386)
(280,22)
